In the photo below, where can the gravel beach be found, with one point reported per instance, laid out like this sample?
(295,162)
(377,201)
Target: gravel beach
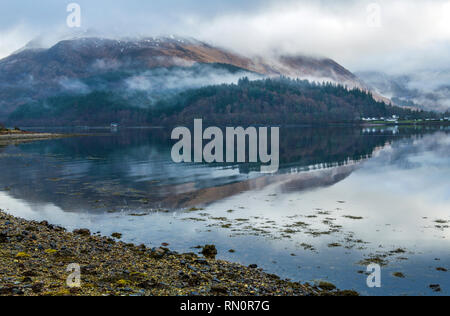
(34,258)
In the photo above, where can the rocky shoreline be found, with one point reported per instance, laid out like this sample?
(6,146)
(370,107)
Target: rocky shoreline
(34,257)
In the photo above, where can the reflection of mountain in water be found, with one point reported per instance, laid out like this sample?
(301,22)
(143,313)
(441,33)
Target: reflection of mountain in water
(133,169)
(288,182)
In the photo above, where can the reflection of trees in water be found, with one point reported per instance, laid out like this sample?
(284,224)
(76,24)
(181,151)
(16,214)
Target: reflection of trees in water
(94,172)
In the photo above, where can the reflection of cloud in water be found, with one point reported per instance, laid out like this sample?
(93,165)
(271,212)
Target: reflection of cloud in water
(133,170)
(392,200)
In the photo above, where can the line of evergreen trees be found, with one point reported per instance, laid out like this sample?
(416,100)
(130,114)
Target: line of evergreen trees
(276,101)
(268,101)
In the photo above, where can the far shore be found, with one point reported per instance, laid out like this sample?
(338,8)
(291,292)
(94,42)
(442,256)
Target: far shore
(18,136)
(30,136)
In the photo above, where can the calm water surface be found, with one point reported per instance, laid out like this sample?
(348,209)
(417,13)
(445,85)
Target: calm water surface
(343,197)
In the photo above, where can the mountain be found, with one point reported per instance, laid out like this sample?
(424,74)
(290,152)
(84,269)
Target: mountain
(150,66)
(425,89)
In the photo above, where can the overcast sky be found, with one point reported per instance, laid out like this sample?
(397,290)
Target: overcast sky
(388,35)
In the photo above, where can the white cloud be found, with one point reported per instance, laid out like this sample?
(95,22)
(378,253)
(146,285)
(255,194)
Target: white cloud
(337,31)
(413,33)
(14,38)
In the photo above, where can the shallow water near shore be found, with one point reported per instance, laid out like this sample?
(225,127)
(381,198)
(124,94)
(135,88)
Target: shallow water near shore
(344,197)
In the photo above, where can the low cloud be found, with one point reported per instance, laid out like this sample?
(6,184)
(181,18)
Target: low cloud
(340,31)
(178,79)
(412,36)
(14,38)
(106,64)
(73,86)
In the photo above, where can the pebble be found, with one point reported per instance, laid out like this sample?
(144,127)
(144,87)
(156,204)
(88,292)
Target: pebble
(116,268)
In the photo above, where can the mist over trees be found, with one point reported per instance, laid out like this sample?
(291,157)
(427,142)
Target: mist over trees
(275,101)
(268,101)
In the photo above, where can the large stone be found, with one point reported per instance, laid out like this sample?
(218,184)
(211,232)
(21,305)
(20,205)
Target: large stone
(82,232)
(3,237)
(209,251)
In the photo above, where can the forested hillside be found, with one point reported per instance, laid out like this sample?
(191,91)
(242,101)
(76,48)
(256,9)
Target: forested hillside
(268,101)
(275,101)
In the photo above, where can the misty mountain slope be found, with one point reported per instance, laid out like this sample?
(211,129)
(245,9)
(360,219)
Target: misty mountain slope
(266,101)
(40,73)
(80,57)
(429,90)
(157,83)
(84,65)
(318,69)
(275,101)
